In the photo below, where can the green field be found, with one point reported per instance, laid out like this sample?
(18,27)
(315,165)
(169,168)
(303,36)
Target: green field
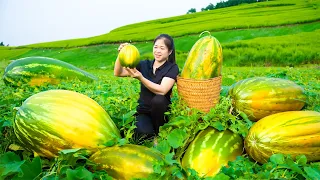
(258,37)
(277,46)
(118,96)
(275,39)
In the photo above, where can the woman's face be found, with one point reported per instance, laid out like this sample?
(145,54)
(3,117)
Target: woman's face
(160,51)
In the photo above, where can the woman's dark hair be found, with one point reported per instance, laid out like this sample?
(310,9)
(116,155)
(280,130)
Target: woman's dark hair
(168,41)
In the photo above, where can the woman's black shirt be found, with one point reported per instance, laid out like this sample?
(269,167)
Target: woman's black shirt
(168,69)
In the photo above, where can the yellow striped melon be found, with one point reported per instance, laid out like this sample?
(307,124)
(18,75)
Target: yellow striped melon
(50,121)
(128,161)
(36,71)
(259,97)
(204,60)
(129,56)
(210,150)
(291,132)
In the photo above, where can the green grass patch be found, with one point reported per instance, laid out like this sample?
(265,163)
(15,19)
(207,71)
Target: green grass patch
(255,15)
(287,50)
(288,45)
(9,53)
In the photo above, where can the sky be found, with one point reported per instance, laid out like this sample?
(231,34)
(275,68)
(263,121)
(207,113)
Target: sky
(25,22)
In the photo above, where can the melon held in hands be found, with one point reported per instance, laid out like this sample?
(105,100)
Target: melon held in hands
(129,56)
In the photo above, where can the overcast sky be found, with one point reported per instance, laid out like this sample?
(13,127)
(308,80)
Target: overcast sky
(32,21)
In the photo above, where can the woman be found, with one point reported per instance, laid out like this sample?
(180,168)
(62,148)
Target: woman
(157,78)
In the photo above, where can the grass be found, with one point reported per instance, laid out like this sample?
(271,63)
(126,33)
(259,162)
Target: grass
(255,42)
(287,50)
(285,46)
(256,15)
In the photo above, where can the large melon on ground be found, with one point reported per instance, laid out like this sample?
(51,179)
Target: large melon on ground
(128,161)
(204,60)
(36,71)
(53,120)
(259,97)
(210,150)
(292,132)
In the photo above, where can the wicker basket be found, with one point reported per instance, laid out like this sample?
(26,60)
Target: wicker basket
(200,94)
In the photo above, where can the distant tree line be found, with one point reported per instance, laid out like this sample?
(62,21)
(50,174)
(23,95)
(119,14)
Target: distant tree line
(223,4)
(2,44)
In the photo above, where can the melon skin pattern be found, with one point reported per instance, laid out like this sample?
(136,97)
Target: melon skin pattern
(204,60)
(291,132)
(52,120)
(36,71)
(129,56)
(128,161)
(210,150)
(259,97)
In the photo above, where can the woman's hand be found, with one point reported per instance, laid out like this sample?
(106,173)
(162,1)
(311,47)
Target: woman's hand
(118,69)
(121,46)
(134,73)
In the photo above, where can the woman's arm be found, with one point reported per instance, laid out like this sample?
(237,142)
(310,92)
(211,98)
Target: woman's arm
(161,89)
(118,69)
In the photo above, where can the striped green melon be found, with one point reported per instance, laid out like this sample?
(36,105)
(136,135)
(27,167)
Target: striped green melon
(52,120)
(129,56)
(128,161)
(204,60)
(291,132)
(36,71)
(210,150)
(259,97)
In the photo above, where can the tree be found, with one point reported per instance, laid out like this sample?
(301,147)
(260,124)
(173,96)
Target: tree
(209,7)
(192,10)
(1,44)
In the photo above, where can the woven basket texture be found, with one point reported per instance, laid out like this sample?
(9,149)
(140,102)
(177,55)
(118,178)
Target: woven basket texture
(200,94)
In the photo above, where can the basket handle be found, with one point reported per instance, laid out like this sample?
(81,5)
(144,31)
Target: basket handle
(205,32)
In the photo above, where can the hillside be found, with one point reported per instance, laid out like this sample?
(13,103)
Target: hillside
(263,14)
(285,30)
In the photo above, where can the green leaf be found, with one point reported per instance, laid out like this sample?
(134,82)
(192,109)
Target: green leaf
(218,125)
(80,173)
(312,173)
(192,172)
(176,172)
(295,167)
(10,164)
(224,91)
(220,176)
(109,143)
(169,159)
(7,124)
(157,168)
(122,142)
(71,156)
(68,151)
(176,138)
(163,147)
(50,177)
(277,159)
(30,170)
(301,160)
